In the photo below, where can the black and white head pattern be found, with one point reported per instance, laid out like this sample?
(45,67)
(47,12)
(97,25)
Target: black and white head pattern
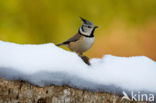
(87,28)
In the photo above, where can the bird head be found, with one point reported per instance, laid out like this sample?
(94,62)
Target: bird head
(87,28)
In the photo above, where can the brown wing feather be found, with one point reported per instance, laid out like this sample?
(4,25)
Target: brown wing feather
(72,39)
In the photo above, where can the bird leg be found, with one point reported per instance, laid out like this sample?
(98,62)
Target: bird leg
(84,58)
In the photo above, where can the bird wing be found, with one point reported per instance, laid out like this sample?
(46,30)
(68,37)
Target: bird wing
(73,39)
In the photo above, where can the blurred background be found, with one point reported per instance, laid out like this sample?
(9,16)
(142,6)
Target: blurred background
(126,27)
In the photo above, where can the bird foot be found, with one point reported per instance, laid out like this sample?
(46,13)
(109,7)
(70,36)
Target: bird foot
(85,59)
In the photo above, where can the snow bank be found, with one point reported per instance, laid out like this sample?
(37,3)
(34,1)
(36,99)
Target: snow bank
(48,64)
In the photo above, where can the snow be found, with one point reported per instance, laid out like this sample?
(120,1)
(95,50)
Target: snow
(47,64)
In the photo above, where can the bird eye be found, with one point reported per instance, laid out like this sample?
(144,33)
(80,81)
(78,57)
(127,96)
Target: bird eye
(89,26)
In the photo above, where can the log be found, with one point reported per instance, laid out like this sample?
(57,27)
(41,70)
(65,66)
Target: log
(23,92)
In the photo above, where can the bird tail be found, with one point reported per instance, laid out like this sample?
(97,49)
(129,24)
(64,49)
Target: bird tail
(59,44)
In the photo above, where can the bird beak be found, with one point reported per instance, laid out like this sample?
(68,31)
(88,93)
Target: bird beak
(96,27)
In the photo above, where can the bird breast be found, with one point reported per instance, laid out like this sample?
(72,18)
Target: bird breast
(82,45)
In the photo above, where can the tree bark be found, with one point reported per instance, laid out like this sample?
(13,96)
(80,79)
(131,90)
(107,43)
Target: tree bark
(22,92)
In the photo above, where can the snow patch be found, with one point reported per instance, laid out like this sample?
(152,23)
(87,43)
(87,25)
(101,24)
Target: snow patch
(48,64)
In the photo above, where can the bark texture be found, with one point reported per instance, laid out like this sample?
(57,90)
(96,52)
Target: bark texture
(22,92)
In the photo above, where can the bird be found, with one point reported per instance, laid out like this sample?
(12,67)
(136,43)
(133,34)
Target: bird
(83,39)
